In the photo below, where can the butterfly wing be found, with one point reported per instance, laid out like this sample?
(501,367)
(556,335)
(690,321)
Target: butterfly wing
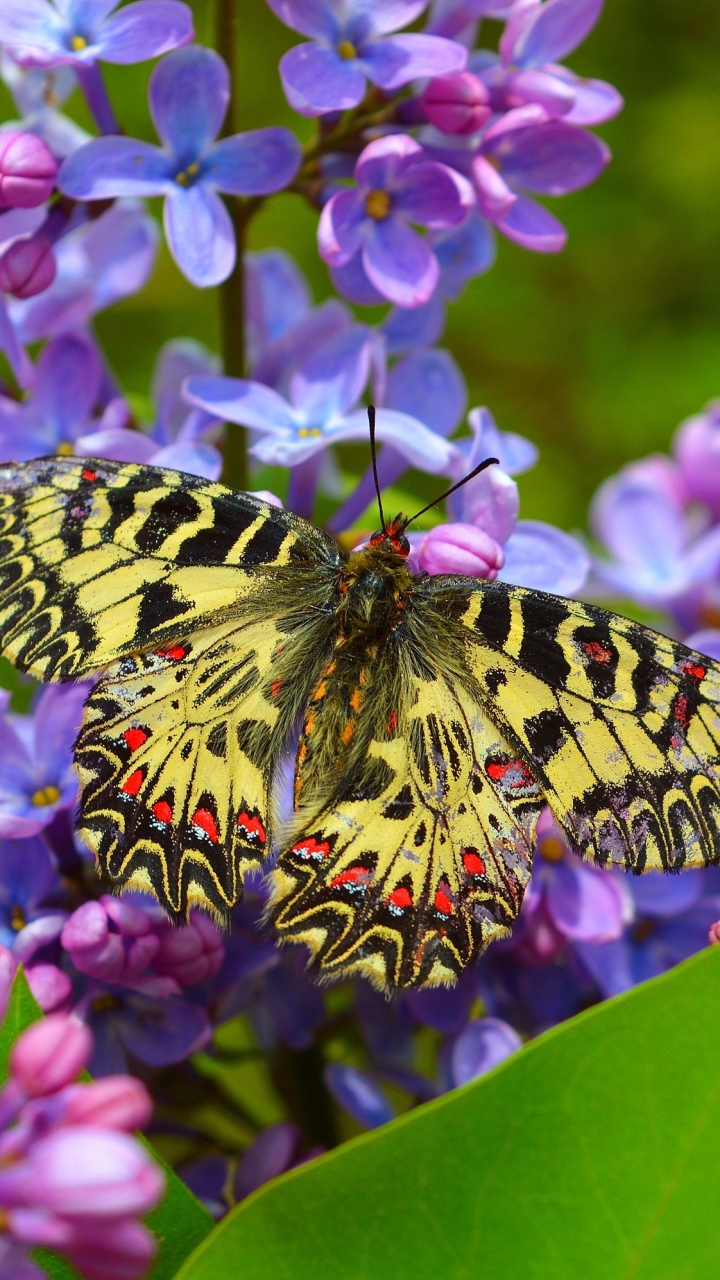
(421,855)
(101,559)
(620,725)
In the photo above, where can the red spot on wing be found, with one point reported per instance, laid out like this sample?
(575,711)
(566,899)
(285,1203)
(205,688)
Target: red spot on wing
(89,475)
(311,848)
(598,652)
(498,771)
(132,785)
(252,826)
(162,811)
(175,653)
(443,903)
(680,710)
(400,898)
(392,722)
(203,819)
(275,688)
(135,738)
(694,670)
(473,863)
(355,876)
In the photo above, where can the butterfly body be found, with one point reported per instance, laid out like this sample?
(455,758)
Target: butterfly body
(430,719)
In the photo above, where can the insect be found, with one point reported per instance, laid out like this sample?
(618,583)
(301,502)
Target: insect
(432,717)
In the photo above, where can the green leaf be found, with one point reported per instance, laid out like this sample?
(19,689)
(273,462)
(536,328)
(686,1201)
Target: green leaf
(179,1223)
(590,1153)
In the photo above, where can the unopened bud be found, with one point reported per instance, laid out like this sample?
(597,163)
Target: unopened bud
(27,170)
(457,104)
(461,548)
(50,1054)
(27,268)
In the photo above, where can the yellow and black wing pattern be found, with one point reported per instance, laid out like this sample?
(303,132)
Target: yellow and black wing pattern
(101,559)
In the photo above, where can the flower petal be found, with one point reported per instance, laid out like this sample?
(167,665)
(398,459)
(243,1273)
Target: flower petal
(249,403)
(383,161)
(317,80)
(661,895)
(396,60)
(434,195)
(352,282)
(428,385)
(277,298)
(331,383)
(313,18)
(491,501)
(463,252)
(494,196)
(67,384)
(609,965)
(543,558)
(595,100)
(200,235)
(639,524)
(255,163)
(118,444)
(390,15)
(358,1094)
(555,29)
(109,167)
(483,1044)
(340,228)
(31,27)
(403,330)
(533,227)
(421,447)
(195,459)
(189,94)
(147,30)
(584,902)
(400,264)
(552,159)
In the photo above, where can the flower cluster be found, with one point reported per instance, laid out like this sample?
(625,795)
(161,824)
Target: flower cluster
(72,1178)
(425,147)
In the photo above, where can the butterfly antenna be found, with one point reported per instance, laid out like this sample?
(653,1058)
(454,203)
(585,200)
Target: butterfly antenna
(489,462)
(373,451)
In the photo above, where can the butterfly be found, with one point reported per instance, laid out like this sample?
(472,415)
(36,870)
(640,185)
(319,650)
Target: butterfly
(431,718)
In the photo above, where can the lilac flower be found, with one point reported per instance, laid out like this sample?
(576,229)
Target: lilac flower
(318,413)
(189,94)
(351,43)
(27,268)
(536,35)
(396,184)
(17,225)
(656,555)
(483,1044)
(127,1024)
(27,170)
(174,438)
(72,1177)
(696,449)
(37,33)
(36,768)
(28,878)
(97,264)
(460,19)
(673,915)
(358,1093)
(57,411)
(38,92)
(276,1149)
(456,104)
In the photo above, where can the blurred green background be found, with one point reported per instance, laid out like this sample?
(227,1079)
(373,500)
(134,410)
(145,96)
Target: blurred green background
(596,354)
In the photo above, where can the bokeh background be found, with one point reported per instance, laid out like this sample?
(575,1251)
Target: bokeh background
(596,354)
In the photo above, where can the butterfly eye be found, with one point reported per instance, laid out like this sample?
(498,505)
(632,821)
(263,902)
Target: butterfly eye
(400,544)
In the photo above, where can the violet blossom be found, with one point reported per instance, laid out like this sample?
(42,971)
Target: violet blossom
(37,777)
(38,33)
(38,92)
(397,183)
(189,93)
(27,170)
(351,42)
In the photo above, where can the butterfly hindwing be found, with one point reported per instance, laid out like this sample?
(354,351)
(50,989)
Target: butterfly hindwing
(620,725)
(100,559)
(421,856)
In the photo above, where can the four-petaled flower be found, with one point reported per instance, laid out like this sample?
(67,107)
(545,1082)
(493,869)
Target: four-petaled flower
(189,95)
(37,33)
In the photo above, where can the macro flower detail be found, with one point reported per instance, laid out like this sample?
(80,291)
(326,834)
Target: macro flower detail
(27,170)
(38,33)
(351,43)
(189,94)
(396,184)
(37,776)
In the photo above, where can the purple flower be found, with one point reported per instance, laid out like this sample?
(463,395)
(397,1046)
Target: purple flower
(351,44)
(396,184)
(189,94)
(38,93)
(460,19)
(456,104)
(98,263)
(27,268)
(72,1179)
(174,438)
(17,225)
(459,548)
(57,412)
(157,1030)
(278,1148)
(28,878)
(27,170)
(526,71)
(319,411)
(656,556)
(37,777)
(672,917)
(696,448)
(79,32)
(483,1044)
(358,1093)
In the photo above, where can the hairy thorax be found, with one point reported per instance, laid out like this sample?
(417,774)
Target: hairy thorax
(373,592)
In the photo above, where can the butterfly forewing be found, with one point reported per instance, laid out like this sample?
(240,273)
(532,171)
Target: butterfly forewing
(101,559)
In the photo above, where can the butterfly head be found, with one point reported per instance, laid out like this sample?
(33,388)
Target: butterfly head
(393,537)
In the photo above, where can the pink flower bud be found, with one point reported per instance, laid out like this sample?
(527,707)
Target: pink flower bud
(714,934)
(27,268)
(115,1102)
(49,985)
(27,170)
(192,954)
(112,1251)
(461,548)
(49,1054)
(457,104)
(85,1172)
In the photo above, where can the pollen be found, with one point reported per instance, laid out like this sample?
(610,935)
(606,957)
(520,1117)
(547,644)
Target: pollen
(64,449)
(551,849)
(304,432)
(78,43)
(377,205)
(44,796)
(17,919)
(347,50)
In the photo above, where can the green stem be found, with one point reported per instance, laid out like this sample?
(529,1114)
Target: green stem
(298,1078)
